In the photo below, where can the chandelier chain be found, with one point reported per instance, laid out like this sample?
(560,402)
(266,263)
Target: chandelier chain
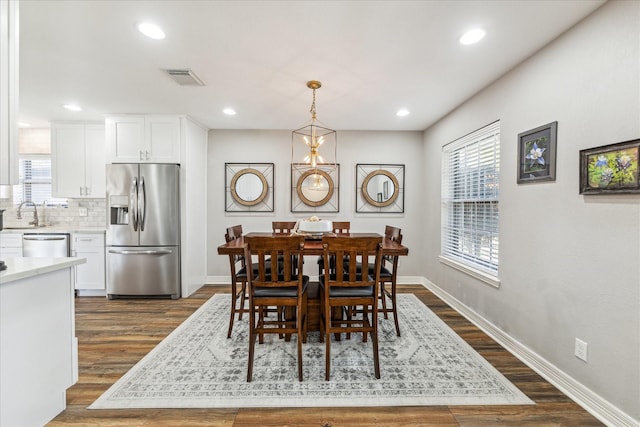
(313,106)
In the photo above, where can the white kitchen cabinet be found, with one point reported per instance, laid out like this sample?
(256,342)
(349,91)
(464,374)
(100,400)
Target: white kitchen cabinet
(9,72)
(91,275)
(78,160)
(10,245)
(143,139)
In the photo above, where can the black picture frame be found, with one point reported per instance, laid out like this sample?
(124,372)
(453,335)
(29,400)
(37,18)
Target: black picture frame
(610,169)
(537,154)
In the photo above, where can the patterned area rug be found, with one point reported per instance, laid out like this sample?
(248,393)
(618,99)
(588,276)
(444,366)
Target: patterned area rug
(196,366)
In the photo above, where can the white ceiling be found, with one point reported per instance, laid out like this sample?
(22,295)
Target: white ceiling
(372,57)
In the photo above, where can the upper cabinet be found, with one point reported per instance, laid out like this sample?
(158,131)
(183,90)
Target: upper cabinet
(143,139)
(78,159)
(9,61)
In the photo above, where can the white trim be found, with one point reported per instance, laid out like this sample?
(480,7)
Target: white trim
(480,275)
(597,406)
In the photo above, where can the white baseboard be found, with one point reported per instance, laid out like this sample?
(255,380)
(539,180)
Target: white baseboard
(91,292)
(589,400)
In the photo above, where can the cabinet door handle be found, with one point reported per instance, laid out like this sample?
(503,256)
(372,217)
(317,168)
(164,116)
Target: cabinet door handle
(81,191)
(87,191)
(147,155)
(141,155)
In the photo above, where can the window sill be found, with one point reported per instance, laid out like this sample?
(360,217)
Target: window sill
(477,274)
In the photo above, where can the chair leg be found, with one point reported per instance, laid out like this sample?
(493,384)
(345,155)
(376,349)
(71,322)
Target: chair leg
(395,308)
(374,340)
(252,344)
(327,355)
(301,336)
(242,295)
(383,297)
(233,308)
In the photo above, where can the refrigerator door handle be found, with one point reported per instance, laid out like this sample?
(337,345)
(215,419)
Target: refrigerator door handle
(133,202)
(142,252)
(141,206)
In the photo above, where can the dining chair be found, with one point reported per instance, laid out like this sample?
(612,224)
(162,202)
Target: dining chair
(343,286)
(238,279)
(284,287)
(338,227)
(388,276)
(283,227)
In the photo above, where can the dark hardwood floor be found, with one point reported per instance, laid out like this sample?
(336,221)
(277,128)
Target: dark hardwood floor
(114,335)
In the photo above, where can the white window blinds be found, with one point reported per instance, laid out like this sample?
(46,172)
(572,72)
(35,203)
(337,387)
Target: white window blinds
(470,190)
(35,181)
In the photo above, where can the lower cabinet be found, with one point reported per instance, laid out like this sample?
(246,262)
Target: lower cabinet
(91,275)
(10,245)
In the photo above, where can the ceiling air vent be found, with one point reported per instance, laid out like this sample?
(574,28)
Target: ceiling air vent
(185,77)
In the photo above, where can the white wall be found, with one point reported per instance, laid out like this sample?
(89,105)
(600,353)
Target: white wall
(240,146)
(193,191)
(569,264)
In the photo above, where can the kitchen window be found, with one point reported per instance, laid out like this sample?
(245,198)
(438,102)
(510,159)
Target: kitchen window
(470,202)
(34,169)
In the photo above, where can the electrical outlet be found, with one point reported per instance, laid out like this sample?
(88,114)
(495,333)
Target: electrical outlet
(82,211)
(581,349)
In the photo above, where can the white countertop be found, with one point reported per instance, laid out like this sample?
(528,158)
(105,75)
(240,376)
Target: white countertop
(21,268)
(55,229)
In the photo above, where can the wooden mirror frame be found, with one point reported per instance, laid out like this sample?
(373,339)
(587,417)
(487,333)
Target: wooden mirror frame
(390,200)
(380,202)
(235,200)
(307,174)
(236,196)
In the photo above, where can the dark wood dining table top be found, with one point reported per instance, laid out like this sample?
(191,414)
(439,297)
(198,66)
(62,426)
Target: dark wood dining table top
(313,246)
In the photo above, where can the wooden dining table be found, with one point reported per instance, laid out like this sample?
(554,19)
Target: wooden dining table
(313,246)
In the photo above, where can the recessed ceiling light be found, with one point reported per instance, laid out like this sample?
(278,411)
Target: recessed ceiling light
(229,111)
(472,36)
(24,124)
(151,30)
(72,107)
(403,112)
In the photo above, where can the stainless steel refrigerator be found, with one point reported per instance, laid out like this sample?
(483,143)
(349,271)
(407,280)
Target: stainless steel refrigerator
(143,230)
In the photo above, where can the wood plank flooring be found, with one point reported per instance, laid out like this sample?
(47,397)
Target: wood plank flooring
(114,335)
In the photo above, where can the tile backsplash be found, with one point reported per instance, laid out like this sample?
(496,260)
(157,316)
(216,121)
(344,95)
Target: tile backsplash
(57,216)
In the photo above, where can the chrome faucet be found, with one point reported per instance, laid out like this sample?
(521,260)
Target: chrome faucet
(35,212)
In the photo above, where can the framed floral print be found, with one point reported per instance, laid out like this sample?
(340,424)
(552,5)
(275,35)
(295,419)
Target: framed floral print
(537,154)
(610,169)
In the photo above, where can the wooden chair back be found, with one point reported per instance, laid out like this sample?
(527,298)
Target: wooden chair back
(394,234)
(283,227)
(356,253)
(288,251)
(341,227)
(231,234)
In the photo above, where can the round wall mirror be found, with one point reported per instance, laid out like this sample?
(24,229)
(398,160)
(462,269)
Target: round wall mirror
(315,188)
(249,187)
(380,188)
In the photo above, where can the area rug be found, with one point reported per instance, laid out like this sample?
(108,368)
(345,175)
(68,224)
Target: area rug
(196,366)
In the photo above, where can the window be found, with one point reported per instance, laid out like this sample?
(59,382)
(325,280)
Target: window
(35,181)
(34,168)
(470,190)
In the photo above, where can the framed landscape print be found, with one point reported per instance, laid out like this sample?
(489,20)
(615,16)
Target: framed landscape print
(610,169)
(537,154)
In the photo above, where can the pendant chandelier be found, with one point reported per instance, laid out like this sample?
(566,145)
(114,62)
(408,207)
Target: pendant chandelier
(309,140)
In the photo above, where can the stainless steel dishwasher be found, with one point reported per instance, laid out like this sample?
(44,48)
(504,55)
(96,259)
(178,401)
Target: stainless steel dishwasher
(49,245)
